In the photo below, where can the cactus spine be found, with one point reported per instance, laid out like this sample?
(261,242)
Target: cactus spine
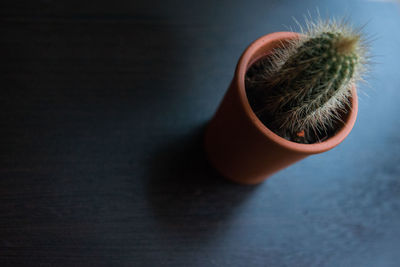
(301,90)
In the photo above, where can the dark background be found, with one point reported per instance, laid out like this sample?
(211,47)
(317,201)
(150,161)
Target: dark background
(103,107)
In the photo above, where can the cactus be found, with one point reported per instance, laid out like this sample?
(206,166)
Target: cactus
(302,89)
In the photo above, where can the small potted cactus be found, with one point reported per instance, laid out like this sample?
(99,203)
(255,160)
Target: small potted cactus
(293,95)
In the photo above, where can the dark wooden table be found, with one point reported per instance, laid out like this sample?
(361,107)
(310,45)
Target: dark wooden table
(103,107)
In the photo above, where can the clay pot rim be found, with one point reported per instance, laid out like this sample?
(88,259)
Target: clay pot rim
(245,60)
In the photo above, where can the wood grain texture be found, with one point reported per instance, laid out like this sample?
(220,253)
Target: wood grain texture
(103,107)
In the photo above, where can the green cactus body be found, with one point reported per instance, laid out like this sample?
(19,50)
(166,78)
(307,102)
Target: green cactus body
(301,90)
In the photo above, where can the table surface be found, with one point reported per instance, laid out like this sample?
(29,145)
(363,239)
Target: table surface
(103,107)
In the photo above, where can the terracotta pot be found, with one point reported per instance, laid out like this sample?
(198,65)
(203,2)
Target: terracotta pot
(240,146)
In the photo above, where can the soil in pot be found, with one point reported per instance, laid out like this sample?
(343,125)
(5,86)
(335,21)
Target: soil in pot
(256,93)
